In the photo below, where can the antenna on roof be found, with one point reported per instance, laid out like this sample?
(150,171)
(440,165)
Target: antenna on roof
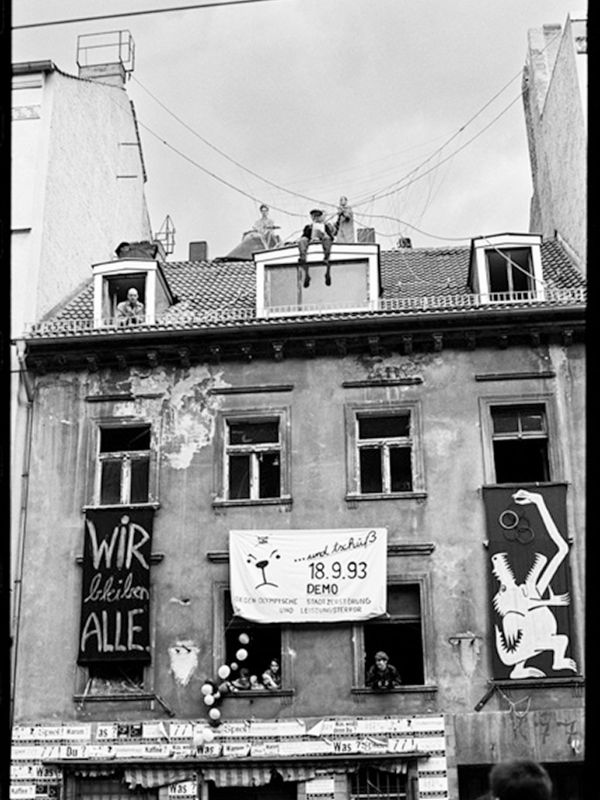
(166,235)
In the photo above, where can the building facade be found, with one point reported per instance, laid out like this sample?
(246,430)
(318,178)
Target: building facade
(253,470)
(555,88)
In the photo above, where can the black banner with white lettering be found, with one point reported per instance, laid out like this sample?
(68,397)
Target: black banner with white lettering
(529,581)
(115,604)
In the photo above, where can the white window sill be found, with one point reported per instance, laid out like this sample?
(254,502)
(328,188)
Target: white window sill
(247,501)
(416,495)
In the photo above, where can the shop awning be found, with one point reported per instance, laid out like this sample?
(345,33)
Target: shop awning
(150,777)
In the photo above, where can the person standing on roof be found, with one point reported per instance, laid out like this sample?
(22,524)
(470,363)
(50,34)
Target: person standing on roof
(344,225)
(316,231)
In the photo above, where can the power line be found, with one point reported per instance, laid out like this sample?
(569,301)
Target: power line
(220,152)
(135,13)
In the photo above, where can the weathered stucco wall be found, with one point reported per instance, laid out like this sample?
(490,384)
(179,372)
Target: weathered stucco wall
(186,526)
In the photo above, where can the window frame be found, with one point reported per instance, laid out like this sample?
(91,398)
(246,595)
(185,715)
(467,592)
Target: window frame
(479,278)
(222,449)
(545,400)
(423,581)
(151,454)
(355,411)
(219,647)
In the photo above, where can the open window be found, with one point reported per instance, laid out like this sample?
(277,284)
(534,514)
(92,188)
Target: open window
(400,635)
(261,642)
(115,290)
(384,451)
(254,463)
(520,443)
(507,267)
(124,464)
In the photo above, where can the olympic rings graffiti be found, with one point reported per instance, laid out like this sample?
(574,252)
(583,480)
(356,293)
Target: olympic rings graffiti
(515,527)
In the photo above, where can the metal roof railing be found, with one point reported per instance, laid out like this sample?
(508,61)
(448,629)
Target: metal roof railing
(173,320)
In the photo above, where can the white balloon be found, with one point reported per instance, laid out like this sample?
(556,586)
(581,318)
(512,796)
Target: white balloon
(214,713)
(207,734)
(209,699)
(206,688)
(223,671)
(241,654)
(234,666)
(243,638)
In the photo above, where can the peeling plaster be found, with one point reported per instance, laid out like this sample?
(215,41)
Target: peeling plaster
(183,406)
(183,656)
(467,647)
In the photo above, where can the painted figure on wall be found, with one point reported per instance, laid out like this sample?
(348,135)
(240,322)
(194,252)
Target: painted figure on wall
(528,623)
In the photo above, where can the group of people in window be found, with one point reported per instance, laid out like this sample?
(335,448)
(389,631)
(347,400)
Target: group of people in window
(381,676)
(270,679)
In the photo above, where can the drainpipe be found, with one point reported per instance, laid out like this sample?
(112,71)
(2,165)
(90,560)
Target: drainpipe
(26,383)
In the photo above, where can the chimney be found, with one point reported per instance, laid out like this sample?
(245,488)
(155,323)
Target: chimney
(365,235)
(198,251)
(404,242)
(106,57)
(142,250)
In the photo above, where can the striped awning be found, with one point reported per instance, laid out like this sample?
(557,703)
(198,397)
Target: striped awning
(153,776)
(256,775)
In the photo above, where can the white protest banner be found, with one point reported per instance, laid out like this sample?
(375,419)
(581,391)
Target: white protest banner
(332,575)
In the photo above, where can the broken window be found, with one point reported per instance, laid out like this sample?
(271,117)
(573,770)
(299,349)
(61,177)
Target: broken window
(124,456)
(384,453)
(400,635)
(510,270)
(520,443)
(253,459)
(115,677)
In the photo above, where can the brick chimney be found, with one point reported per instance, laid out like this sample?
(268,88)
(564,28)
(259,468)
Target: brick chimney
(198,251)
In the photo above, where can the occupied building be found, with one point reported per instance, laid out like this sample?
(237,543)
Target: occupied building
(251,471)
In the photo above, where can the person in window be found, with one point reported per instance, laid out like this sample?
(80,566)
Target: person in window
(243,679)
(265,228)
(131,310)
(382,675)
(316,231)
(344,225)
(271,677)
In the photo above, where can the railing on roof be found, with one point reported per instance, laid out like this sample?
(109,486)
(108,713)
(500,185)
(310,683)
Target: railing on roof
(433,303)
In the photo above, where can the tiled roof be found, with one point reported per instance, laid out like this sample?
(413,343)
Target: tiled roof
(202,286)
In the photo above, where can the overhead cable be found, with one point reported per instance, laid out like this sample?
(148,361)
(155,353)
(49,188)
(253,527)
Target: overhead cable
(135,13)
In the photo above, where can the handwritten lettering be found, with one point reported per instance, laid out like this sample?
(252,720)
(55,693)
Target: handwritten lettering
(124,590)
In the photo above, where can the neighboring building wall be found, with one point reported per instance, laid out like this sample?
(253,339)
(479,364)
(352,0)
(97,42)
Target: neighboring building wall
(182,408)
(72,140)
(555,89)
(78,187)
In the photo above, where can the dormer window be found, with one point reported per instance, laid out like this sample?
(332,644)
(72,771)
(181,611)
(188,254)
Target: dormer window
(507,268)
(131,290)
(353,286)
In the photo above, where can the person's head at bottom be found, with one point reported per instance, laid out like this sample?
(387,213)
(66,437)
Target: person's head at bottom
(520,779)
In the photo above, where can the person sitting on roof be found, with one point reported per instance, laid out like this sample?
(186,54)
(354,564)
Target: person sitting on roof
(265,227)
(316,231)
(131,310)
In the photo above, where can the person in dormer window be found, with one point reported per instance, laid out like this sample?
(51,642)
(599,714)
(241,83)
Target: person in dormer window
(316,231)
(131,310)
(382,676)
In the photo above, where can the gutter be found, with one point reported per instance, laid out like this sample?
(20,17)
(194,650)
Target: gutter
(26,383)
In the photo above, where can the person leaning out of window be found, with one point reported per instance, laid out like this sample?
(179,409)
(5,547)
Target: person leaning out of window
(382,676)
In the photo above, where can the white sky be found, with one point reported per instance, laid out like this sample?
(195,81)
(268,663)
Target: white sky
(322,98)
